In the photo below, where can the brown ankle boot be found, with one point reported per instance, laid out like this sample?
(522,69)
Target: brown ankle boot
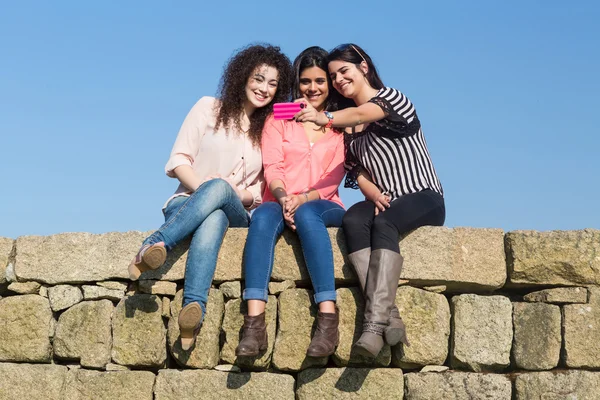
(254,336)
(380,293)
(327,335)
(395,332)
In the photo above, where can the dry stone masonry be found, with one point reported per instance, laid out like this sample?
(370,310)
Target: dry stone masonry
(489,314)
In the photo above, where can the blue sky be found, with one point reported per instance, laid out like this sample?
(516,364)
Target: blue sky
(92,95)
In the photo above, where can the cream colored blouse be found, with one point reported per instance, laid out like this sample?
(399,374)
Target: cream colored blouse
(225,151)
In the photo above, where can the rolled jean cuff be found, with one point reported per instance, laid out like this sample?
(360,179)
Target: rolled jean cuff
(325,296)
(256,294)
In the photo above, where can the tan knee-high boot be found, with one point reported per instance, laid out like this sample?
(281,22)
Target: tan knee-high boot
(380,293)
(395,332)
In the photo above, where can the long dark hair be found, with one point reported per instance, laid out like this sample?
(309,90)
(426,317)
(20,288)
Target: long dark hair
(316,56)
(354,54)
(233,83)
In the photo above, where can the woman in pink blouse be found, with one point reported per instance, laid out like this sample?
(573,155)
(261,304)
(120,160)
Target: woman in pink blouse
(217,160)
(303,167)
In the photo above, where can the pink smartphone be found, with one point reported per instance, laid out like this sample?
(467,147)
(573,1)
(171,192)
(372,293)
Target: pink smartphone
(286,110)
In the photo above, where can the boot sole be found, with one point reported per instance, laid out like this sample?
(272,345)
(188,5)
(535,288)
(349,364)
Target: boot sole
(363,352)
(152,259)
(251,354)
(189,324)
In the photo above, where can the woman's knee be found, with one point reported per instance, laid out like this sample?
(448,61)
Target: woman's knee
(307,215)
(354,218)
(266,216)
(217,217)
(216,187)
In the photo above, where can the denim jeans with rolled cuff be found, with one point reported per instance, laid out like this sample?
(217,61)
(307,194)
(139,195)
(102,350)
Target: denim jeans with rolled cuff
(311,220)
(204,216)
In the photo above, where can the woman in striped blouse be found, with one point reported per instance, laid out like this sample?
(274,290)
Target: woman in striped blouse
(388,160)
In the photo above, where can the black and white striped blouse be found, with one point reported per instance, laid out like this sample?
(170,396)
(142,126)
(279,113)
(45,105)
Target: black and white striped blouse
(392,150)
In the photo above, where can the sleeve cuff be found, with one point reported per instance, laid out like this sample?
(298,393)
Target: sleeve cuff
(176,161)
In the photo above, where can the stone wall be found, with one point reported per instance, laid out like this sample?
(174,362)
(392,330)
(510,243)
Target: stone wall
(489,314)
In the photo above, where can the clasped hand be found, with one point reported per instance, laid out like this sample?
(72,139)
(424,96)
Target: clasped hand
(289,205)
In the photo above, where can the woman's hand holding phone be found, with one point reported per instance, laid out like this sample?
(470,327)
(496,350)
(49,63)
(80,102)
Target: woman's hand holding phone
(309,113)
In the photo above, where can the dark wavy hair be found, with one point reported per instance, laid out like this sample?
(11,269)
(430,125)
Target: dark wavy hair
(354,54)
(233,82)
(316,56)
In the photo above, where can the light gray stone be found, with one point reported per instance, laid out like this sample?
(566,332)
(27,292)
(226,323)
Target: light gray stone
(277,287)
(581,327)
(123,385)
(205,353)
(434,368)
(427,319)
(76,257)
(139,334)
(568,295)
(113,285)
(559,385)
(116,367)
(166,307)
(537,335)
(232,325)
(43,291)
(231,290)
(25,287)
(157,287)
(84,333)
(456,386)
(32,381)
(297,313)
(91,292)
(351,304)
(64,296)
(553,258)
(459,258)
(10,273)
(227,368)
(436,289)
(482,332)
(24,329)
(6,246)
(192,385)
(350,383)
(52,327)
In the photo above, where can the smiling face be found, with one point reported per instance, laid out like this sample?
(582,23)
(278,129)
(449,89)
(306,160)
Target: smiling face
(261,87)
(313,86)
(347,78)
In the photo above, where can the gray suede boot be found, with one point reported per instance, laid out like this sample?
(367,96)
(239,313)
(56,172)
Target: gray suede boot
(395,332)
(380,293)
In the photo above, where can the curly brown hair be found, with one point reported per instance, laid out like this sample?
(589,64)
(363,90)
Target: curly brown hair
(233,83)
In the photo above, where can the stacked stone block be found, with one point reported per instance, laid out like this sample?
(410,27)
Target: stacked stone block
(489,315)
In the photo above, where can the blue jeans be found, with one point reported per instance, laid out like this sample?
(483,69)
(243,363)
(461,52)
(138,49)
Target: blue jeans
(205,216)
(311,220)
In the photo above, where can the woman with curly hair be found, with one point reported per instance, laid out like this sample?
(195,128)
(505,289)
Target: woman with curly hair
(217,160)
(388,160)
(303,167)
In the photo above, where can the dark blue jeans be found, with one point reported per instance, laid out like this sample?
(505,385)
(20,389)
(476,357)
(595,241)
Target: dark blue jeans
(205,216)
(312,220)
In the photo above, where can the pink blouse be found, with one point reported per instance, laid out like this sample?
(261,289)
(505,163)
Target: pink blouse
(209,151)
(288,156)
